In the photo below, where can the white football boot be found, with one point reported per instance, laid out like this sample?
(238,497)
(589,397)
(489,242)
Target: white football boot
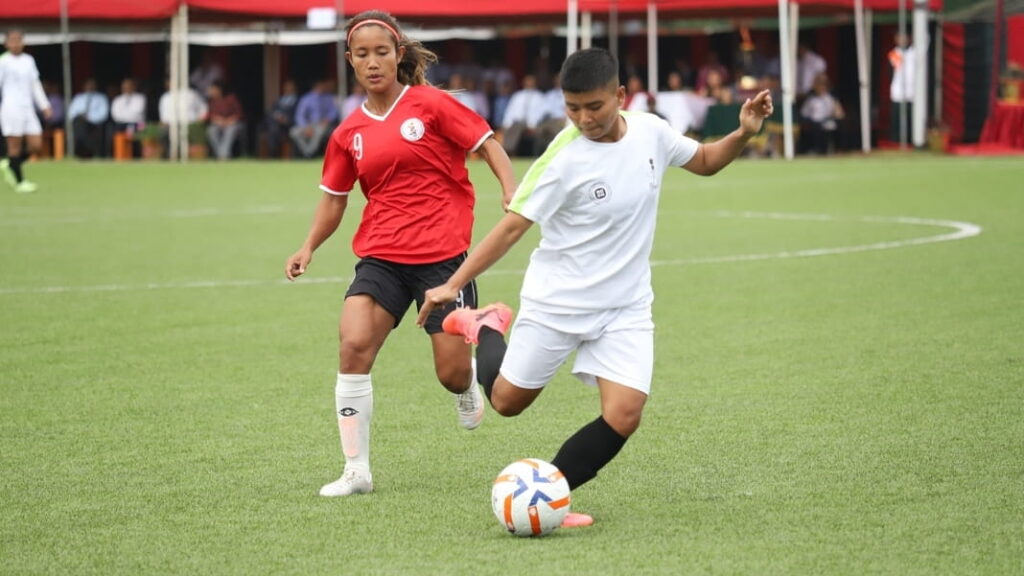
(351,482)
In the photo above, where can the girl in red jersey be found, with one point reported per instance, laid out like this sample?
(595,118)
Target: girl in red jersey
(407,147)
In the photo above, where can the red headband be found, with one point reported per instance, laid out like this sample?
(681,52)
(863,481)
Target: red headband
(348,40)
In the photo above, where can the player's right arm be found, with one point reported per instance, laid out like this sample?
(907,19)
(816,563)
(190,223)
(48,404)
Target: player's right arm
(711,158)
(325,221)
(496,244)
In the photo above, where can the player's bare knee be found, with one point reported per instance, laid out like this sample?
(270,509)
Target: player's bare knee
(357,355)
(506,406)
(454,378)
(625,422)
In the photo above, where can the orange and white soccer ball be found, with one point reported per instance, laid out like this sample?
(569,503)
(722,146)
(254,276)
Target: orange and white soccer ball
(530,497)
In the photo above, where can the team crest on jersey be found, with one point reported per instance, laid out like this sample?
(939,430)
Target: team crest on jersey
(600,192)
(412,129)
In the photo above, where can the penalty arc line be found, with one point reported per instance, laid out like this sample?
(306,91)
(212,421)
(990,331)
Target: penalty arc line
(961,230)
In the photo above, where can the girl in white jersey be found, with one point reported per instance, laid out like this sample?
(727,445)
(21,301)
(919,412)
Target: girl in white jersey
(20,94)
(587,289)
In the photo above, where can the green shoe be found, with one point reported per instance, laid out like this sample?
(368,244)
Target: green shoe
(26,187)
(5,167)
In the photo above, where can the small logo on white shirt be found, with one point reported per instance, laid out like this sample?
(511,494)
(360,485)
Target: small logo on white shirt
(600,192)
(412,129)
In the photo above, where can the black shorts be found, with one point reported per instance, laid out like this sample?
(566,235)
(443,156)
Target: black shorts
(396,286)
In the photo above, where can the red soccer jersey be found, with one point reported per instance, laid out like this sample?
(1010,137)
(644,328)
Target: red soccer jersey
(411,166)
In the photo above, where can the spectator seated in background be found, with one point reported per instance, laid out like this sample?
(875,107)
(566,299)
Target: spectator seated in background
(636,96)
(317,114)
(52,123)
(224,127)
(353,101)
(809,65)
(56,100)
(128,111)
(716,89)
(499,104)
(553,120)
(281,117)
(464,90)
(679,106)
(820,115)
(89,111)
(192,110)
(522,116)
(712,65)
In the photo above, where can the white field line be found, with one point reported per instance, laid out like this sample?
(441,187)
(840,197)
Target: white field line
(959,231)
(22,221)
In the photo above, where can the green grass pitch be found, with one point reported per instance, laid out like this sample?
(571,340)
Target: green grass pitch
(835,392)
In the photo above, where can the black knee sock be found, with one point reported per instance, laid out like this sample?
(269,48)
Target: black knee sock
(587,451)
(489,354)
(16,166)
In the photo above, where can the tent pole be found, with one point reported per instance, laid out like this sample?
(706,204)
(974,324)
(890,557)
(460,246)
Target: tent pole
(65,46)
(613,29)
(794,43)
(869,38)
(183,71)
(902,23)
(862,76)
(586,30)
(786,65)
(921,43)
(997,54)
(937,86)
(340,56)
(172,86)
(652,47)
(572,36)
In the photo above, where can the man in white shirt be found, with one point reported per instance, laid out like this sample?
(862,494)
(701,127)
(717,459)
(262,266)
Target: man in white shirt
(21,94)
(128,110)
(129,107)
(522,116)
(183,106)
(809,65)
(587,289)
(554,117)
(89,111)
(193,107)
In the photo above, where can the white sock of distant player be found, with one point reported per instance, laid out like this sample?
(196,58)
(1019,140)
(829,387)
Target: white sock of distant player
(353,400)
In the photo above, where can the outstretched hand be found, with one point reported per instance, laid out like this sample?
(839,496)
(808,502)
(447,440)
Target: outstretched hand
(295,266)
(754,111)
(435,298)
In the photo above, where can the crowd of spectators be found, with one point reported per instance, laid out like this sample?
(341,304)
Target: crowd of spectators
(526,113)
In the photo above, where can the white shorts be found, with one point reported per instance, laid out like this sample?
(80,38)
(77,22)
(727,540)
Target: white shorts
(616,345)
(20,123)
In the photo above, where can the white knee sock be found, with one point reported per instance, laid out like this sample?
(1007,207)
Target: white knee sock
(353,399)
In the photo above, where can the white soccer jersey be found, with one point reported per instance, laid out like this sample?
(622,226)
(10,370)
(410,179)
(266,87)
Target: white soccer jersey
(596,204)
(19,84)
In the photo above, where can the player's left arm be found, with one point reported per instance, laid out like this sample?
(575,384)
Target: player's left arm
(710,158)
(494,154)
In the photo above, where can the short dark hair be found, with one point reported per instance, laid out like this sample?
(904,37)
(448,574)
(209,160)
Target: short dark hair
(587,70)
